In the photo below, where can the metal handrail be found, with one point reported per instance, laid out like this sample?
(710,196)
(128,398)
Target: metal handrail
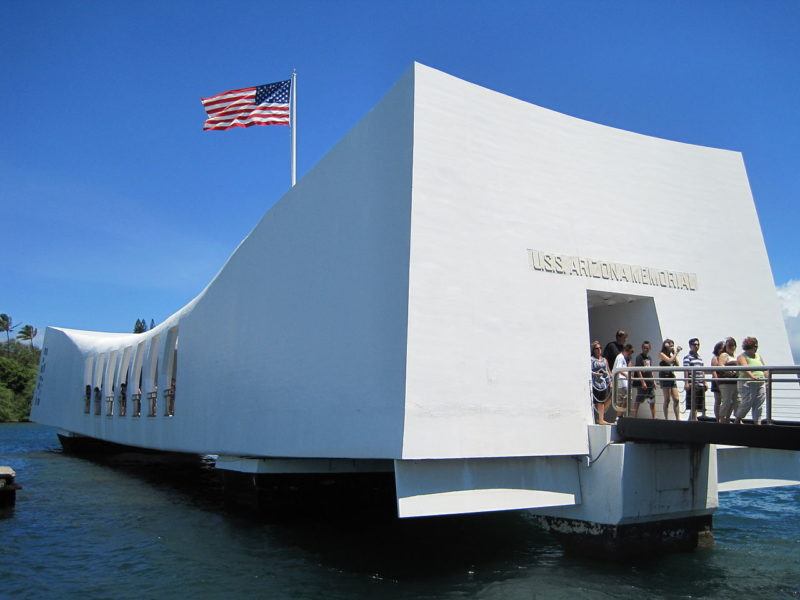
(689,375)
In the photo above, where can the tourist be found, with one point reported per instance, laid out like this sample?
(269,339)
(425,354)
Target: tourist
(622,361)
(695,383)
(613,349)
(669,358)
(729,393)
(752,389)
(718,347)
(643,381)
(123,398)
(600,384)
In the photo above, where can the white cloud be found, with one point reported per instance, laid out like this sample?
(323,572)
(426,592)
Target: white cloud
(789,295)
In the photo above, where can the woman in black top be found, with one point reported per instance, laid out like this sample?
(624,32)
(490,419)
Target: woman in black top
(669,358)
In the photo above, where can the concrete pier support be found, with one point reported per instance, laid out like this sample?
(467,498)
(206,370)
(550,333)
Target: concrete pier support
(639,497)
(631,539)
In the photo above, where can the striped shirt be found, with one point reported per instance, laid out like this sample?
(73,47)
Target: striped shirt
(694,360)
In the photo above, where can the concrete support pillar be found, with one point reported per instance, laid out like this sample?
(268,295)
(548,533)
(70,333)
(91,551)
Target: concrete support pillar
(638,496)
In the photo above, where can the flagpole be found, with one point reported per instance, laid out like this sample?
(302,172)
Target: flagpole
(294,127)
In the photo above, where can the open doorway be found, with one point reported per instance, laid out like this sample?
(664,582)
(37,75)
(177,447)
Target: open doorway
(637,315)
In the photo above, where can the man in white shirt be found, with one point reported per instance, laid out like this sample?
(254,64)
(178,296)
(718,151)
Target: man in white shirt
(623,360)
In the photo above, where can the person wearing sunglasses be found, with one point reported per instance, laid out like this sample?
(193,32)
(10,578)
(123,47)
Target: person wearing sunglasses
(668,358)
(695,385)
(643,382)
(622,361)
(728,390)
(752,387)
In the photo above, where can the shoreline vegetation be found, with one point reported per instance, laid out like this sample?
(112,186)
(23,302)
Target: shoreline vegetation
(19,367)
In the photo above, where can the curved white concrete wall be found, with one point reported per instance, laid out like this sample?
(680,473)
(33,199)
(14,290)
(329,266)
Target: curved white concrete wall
(297,347)
(496,346)
(387,306)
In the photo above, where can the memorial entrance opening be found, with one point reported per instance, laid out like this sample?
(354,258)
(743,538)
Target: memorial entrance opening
(610,312)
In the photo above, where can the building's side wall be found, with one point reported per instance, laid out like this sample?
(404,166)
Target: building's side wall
(298,347)
(498,351)
(59,396)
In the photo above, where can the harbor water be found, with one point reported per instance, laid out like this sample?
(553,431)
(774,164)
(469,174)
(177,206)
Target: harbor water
(90,529)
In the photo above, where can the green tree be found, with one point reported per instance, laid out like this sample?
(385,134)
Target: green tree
(9,411)
(17,382)
(139,327)
(6,325)
(152,324)
(24,354)
(28,332)
(14,407)
(14,375)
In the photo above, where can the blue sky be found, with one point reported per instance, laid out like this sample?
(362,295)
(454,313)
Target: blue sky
(116,205)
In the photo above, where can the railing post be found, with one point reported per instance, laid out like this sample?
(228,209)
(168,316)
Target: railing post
(628,394)
(615,396)
(617,376)
(614,391)
(693,414)
(769,396)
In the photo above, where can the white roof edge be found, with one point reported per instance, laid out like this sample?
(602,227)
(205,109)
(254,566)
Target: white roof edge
(561,114)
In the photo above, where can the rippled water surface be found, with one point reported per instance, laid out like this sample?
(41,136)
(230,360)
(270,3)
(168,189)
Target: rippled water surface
(121,530)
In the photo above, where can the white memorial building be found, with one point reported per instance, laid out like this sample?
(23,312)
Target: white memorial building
(423,300)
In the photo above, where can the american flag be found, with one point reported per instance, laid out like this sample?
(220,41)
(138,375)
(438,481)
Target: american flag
(260,105)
